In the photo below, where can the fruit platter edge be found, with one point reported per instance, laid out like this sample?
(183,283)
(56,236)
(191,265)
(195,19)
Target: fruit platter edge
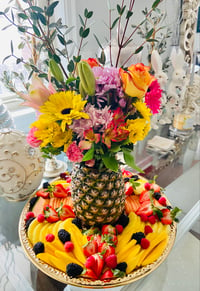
(82,282)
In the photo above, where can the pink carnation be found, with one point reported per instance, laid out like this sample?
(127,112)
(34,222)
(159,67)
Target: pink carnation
(31,139)
(153,97)
(73,153)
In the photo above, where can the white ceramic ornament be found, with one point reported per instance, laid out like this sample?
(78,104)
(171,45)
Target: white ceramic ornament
(21,166)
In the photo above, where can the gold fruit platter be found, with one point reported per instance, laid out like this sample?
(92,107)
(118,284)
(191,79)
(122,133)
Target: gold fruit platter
(85,283)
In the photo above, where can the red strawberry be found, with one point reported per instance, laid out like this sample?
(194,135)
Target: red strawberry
(119,228)
(60,191)
(44,193)
(89,274)
(50,237)
(108,228)
(145,208)
(128,188)
(162,200)
(29,215)
(98,265)
(155,187)
(90,262)
(106,250)
(145,243)
(166,219)
(90,248)
(126,173)
(111,261)
(113,239)
(50,214)
(107,275)
(65,212)
(144,196)
(68,180)
(68,190)
(68,246)
(147,229)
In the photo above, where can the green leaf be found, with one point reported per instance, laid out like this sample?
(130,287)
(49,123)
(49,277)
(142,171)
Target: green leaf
(81,31)
(98,41)
(22,15)
(85,12)
(114,22)
(89,155)
(174,212)
(152,40)
(126,43)
(21,28)
(155,4)
(129,14)
(56,59)
(149,33)
(77,59)
(50,9)
(68,42)
(43,75)
(89,15)
(85,33)
(81,20)
(37,9)
(70,66)
(6,58)
(69,80)
(36,30)
(34,16)
(139,50)
(110,162)
(130,161)
(61,39)
(18,61)
(42,18)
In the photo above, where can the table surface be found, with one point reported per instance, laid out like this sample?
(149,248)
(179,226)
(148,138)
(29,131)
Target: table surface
(180,271)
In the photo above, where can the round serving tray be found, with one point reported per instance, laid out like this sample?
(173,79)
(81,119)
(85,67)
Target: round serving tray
(85,283)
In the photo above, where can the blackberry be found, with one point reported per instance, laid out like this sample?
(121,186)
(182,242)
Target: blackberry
(123,220)
(64,235)
(157,195)
(135,177)
(77,221)
(122,266)
(138,237)
(32,202)
(45,185)
(28,222)
(169,207)
(126,179)
(38,248)
(74,270)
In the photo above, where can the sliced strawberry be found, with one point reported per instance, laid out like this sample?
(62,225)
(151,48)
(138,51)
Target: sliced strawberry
(50,214)
(44,193)
(65,211)
(155,187)
(60,191)
(107,275)
(89,274)
(166,219)
(99,263)
(90,248)
(145,208)
(128,188)
(106,250)
(144,196)
(126,173)
(108,228)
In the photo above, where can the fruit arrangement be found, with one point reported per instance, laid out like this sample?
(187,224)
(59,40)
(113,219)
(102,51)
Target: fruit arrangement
(101,252)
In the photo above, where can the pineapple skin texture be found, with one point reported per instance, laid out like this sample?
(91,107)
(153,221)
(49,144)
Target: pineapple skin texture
(98,195)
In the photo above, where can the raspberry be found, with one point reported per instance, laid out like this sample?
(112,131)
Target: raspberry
(143,217)
(145,243)
(111,261)
(119,228)
(147,186)
(50,237)
(41,217)
(162,200)
(152,219)
(68,246)
(29,215)
(147,229)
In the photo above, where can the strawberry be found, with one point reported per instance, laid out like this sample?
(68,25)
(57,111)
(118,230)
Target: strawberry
(50,237)
(65,211)
(50,214)
(68,179)
(68,190)
(111,261)
(90,248)
(98,264)
(44,193)
(59,191)
(89,274)
(145,208)
(108,228)
(119,228)
(155,187)
(166,219)
(106,250)
(128,188)
(126,173)
(144,196)
(90,262)
(68,246)
(107,275)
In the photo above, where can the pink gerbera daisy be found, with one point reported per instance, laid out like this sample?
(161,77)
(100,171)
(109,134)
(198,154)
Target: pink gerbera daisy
(153,97)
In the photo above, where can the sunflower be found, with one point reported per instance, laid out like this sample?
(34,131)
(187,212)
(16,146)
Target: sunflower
(64,107)
(143,110)
(51,133)
(138,129)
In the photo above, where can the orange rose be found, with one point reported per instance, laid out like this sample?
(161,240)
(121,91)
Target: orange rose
(92,62)
(136,80)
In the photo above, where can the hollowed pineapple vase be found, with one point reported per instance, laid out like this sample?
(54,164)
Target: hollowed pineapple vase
(98,195)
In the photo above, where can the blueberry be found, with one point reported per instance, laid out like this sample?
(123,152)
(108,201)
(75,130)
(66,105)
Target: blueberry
(138,236)
(45,185)
(126,179)
(38,248)
(77,221)
(122,266)
(28,222)
(157,195)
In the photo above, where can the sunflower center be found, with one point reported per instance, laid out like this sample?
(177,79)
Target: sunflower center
(66,111)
